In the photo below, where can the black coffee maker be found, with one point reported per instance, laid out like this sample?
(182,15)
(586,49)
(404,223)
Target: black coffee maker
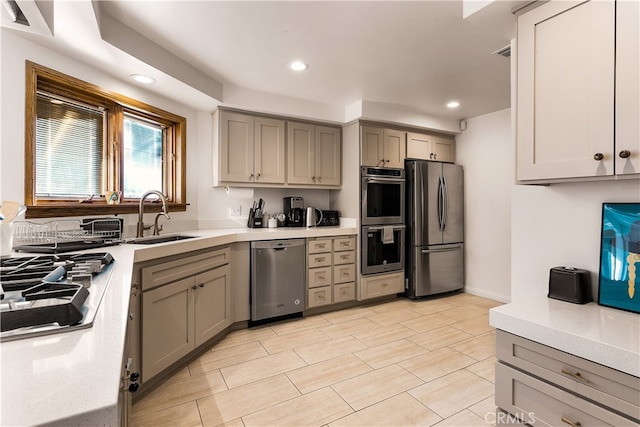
(293,208)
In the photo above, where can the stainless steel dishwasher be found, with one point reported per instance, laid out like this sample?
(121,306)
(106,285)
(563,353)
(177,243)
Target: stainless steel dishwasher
(278,277)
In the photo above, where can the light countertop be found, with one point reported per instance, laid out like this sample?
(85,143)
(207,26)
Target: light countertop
(604,335)
(73,378)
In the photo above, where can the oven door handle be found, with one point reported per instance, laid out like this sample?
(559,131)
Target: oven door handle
(395,227)
(385,180)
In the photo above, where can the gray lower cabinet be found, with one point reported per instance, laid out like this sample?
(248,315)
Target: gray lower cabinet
(180,314)
(540,385)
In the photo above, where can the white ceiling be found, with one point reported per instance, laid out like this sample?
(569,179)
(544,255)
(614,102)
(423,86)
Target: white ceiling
(415,55)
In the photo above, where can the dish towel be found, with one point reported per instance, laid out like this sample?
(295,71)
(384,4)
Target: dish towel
(387,234)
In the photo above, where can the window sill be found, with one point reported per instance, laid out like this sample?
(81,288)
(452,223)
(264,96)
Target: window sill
(96,208)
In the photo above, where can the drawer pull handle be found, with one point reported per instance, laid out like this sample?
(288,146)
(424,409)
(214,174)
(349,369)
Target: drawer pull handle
(571,423)
(575,375)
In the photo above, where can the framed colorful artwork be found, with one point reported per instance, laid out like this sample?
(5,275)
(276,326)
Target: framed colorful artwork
(619,283)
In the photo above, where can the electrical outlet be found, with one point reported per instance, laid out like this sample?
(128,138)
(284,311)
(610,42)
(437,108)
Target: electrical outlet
(235,210)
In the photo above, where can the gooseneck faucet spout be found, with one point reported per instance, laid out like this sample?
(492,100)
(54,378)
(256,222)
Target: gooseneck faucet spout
(165,211)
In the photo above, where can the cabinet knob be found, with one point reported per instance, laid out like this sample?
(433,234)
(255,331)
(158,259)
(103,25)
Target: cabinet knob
(435,156)
(133,387)
(134,377)
(624,154)
(598,156)
(258,176)
(194,287)
(387,161)
(250,176)
(201,285)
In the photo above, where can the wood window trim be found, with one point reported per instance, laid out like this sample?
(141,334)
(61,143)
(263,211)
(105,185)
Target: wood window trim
(174,180)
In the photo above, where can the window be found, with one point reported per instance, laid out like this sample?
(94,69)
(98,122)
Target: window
(83,142)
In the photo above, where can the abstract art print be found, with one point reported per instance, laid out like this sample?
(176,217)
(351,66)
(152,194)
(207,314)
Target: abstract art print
(619,285)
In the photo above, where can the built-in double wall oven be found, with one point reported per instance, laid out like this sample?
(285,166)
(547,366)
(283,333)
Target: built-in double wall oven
(382,219)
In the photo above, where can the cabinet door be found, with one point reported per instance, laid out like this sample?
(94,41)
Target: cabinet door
(328,165)
(419,146)
(269,151)
(212,303)
(371,146)
(566,90)
(627,88)
(300,153)
(443,149)
(236,147)
(394,148)
(167,326)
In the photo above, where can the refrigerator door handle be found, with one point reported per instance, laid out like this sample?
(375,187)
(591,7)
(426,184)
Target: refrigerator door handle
(430,251)
(440,204)
(445,203)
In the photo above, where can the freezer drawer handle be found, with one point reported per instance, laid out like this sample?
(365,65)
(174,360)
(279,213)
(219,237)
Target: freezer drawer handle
(428,251)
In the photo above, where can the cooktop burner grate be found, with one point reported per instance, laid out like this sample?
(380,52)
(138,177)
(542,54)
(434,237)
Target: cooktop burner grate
(39,297)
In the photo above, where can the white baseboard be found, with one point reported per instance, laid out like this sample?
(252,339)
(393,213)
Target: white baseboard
(486,294)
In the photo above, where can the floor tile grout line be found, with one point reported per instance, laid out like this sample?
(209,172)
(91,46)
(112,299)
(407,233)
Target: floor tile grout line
(398,304)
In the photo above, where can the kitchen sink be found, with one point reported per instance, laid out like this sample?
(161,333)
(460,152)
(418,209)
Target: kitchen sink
(152,240)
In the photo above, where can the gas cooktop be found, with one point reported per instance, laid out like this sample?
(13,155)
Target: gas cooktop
(41,295)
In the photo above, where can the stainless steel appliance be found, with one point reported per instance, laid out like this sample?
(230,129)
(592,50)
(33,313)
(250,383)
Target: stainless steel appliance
(47,294)
(278,278)
(383,248)
(330,218)
(294,211)
(435,228)
(313,216)
(383,195)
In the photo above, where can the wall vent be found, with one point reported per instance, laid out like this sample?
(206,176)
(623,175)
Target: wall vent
(505,51)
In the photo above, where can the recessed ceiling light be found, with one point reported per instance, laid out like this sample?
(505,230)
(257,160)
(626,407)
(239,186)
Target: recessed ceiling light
(298,66)
(140,78)
(453,104)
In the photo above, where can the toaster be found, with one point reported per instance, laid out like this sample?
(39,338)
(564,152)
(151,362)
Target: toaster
(570,284)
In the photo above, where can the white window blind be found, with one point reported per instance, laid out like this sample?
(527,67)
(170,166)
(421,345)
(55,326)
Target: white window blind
(69,148)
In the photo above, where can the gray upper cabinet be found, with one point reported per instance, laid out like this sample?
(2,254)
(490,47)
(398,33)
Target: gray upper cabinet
(251,149)
(430,147)
(313,155)
(577,81)
(257,151)
(382,147)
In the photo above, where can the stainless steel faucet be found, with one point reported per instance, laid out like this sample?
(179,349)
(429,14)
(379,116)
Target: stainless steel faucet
(165,212)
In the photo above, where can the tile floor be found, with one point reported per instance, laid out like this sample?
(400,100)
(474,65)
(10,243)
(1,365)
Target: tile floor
(400,363)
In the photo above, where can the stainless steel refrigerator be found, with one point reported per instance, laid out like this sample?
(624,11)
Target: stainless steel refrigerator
(435,228)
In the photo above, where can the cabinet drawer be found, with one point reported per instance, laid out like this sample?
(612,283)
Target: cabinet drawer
(377,286)
(344,292)
(170,271)
(319,245)
(538,403)
(606,386)
(319,260)
(344,273)
(348,257)
(319,296)
(344,243)
(319,277)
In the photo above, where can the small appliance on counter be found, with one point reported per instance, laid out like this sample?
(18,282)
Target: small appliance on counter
(329,218)
(312,217)
(294,211)
(570,284)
